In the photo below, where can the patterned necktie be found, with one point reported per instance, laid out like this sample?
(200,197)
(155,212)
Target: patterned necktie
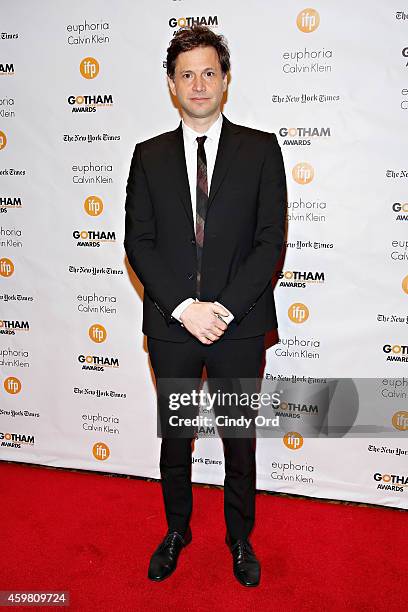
(201,205)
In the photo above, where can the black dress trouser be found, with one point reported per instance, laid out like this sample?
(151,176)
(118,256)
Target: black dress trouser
(225,358)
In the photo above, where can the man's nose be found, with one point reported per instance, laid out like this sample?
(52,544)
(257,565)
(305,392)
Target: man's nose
(199,84)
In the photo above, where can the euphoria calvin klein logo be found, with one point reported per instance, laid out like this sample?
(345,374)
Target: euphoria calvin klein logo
(97,333)
(308,20)
(93,206)
(293,440)
(3,140)
(89,68)
(6,267)
(303,173)
(298,312)
(12,385)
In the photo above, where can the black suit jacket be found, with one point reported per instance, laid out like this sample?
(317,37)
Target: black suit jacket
(244,230)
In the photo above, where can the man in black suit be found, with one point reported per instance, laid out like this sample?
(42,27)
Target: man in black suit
(205,218)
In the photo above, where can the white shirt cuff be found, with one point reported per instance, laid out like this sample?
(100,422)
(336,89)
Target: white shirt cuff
(230,316)
(177,312)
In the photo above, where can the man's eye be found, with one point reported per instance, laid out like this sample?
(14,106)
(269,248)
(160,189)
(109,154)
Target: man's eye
(210,73)
(186,76)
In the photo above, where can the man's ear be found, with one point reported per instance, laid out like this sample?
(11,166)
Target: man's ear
(225,82)
(171,85)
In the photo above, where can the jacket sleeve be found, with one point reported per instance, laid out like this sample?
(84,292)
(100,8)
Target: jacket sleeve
(140,243)
(255,273)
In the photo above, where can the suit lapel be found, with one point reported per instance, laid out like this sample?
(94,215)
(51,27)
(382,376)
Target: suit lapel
(177,162)
(227,147)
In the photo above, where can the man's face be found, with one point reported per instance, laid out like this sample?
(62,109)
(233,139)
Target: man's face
(198,82)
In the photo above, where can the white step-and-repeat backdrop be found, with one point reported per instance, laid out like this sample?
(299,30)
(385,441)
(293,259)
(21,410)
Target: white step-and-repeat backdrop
(81,83)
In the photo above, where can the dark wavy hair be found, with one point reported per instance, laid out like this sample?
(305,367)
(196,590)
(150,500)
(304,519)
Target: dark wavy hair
(187,39)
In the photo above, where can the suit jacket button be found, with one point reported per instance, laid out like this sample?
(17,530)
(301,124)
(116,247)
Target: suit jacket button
(193,241)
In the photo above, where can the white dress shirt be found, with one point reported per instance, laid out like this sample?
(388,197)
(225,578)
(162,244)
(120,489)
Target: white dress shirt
(190,151)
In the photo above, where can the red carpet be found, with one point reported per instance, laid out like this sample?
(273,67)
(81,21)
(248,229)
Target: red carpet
(93,535)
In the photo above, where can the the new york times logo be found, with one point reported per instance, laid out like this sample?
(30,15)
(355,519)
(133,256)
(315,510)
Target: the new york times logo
(7,36)
(94,271)
(15,297)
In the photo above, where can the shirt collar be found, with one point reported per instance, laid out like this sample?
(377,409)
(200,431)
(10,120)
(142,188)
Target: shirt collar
(213,133)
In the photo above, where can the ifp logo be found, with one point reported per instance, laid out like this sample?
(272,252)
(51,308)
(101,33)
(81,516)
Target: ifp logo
(303,173)
(400,420)
(93,206)
(405,284)
(308,20)
(298,312)
(89,67)
(100,451)
(12,385)
(6,267)
(97,333)
(3,140)
(293,440)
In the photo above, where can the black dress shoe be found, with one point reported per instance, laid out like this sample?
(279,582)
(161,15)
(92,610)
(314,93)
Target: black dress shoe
(247,569)
(164,559)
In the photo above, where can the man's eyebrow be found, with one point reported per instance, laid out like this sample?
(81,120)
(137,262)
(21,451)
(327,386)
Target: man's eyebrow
(204,69)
